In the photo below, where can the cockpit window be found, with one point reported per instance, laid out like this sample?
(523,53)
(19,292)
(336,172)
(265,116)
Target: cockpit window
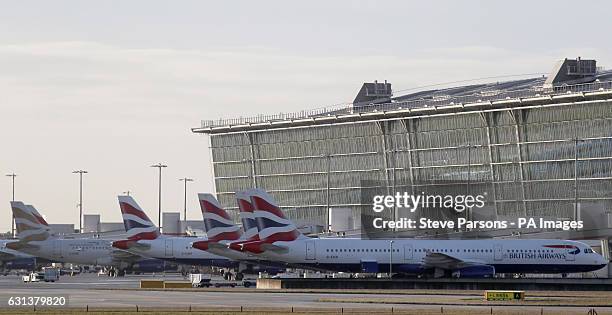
(588,251)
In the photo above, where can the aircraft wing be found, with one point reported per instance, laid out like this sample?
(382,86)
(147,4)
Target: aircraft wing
(447,262)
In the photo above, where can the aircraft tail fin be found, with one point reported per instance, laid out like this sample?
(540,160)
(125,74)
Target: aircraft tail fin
(272,223)
(137,224)
(251,233)
(31,226)
(217,222)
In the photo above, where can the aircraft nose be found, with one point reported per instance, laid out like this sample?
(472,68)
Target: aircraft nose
(603,260)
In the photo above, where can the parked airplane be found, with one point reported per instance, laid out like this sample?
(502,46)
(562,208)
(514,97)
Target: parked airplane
(143,238)
(222,231)
(35,238)
(12,259)
(281,241)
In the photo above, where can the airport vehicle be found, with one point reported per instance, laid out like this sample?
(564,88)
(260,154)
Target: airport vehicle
(281,241)
(222,231)
(51,274)
(33,277)
(48,274)
(35,238)
(199,280)
(143,238)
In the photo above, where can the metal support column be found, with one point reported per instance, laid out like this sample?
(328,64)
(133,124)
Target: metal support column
(517,135)
(490,151)
(409,151)
(253,173)
(384,154)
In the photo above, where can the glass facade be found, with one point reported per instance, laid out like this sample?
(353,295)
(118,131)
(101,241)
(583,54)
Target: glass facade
(540,160)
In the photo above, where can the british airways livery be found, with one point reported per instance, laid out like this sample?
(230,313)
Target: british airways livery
(281,241)
(36,238)
(222,232)
(143,238)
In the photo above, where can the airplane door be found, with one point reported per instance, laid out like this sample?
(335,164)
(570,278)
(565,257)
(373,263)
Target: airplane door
(311,252)
(498,252)
(169,248)
(570,254)
(408,252)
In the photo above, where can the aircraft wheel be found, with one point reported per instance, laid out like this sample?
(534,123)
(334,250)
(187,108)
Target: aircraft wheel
(239,276)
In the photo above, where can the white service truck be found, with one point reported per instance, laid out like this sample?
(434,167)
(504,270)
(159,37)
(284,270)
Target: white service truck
(48,274)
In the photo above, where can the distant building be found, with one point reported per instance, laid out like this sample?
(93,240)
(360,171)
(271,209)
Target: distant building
(171,222)
(62,229)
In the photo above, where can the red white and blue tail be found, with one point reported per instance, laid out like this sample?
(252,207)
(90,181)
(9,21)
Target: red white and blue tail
(31,226)
(249,224)
(271,221)
(137,224)
(217,222)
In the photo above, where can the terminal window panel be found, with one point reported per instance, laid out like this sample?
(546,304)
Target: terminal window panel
(526,154)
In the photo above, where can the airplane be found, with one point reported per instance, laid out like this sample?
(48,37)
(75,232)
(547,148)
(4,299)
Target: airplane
(281,241)
(222,231)
(143,238)
(35,238)
(12,259)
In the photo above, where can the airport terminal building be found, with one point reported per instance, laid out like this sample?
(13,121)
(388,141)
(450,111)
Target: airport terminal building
(542,146)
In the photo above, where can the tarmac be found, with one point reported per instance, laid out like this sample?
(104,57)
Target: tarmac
(89,290)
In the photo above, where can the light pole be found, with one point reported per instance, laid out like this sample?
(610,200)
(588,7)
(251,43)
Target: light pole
(159,193)
(80,172)
(185,179)
(390,258)
(13,175)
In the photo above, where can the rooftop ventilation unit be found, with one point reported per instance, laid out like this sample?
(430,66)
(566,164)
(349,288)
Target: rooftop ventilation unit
(373,93)
(572,71)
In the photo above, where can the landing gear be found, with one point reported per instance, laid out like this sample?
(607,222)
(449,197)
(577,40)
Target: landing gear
(239,276)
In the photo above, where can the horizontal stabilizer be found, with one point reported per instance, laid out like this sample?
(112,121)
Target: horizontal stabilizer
(275,248)
(22,246)
(131,244)
(217,245)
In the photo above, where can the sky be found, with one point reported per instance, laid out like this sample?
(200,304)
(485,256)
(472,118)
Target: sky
(113,87)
